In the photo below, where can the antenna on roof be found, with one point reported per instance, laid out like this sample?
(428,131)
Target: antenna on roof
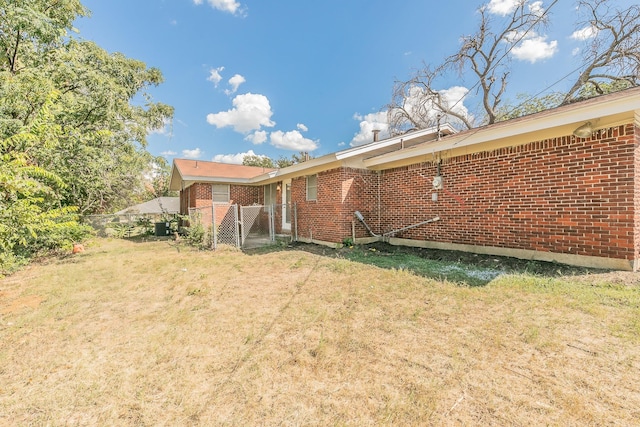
(438,135)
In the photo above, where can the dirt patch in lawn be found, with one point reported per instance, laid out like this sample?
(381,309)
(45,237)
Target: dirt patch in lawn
(12,305)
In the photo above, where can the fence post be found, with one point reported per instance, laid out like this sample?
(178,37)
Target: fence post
(295,219)
(237,225)
(214,229)
(272,223)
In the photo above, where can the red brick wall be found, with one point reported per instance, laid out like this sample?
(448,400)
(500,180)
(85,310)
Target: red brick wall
(340,193)
(245,195)
(199,195)
(566,194)
(636,215)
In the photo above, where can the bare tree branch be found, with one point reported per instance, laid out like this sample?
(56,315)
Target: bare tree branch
(484,55)
(612,60)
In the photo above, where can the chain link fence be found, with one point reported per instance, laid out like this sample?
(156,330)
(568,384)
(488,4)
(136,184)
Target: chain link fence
(218,225)
(241,226)
(257,224)
(131,225)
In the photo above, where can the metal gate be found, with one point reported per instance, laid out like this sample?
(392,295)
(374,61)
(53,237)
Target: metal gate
(225,226)
(244,226)
(257,225)
(220,222)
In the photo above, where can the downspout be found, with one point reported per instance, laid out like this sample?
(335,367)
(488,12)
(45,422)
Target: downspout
(379,202)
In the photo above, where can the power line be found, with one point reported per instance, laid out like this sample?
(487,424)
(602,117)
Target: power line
(513,45)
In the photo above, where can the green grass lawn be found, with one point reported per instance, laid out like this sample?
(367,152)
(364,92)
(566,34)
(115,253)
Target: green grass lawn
(157,333)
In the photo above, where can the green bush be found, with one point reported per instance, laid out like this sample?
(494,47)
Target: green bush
(198,236)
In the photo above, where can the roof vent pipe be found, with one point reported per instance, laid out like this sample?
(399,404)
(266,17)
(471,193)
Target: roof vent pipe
(375,134)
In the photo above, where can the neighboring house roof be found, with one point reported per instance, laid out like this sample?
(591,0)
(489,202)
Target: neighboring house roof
(602,112)
(185,172)
(159,205)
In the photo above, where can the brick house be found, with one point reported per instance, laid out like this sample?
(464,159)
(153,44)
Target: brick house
(527,188)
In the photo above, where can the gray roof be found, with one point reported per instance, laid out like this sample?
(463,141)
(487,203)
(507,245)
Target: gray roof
(159,205)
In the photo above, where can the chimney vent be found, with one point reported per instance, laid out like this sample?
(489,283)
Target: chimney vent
(375,134)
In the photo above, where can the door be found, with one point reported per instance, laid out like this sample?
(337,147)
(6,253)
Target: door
(286,205)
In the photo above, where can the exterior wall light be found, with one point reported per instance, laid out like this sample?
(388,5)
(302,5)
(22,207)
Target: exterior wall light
(584,131)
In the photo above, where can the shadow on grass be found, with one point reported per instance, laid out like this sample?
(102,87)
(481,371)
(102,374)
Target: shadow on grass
(464,268)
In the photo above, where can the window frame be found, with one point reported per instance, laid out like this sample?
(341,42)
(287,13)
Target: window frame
(226,194)
(273,194)
(314,186)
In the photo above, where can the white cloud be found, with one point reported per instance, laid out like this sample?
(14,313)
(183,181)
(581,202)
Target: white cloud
(502,7)
(302,127)
(250,112)
(575,51)
(534,49)
(292,140)
(257,137)
(536,8)
(196,153)
(235,159)
(235,83)
(231,6)
(454,97)
(168,153)
(214,75)
(368,124)
(420,104)
(585,33)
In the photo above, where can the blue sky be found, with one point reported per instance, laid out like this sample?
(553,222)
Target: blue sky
(282,76)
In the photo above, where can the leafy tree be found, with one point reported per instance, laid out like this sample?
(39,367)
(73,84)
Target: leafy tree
(281,162)
(157,180)
(295,158)
(103,156)
(73,126)
(528,105)
(32,219)
(257,160)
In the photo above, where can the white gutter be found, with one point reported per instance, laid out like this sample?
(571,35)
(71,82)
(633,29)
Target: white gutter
(445,129)
(574,114)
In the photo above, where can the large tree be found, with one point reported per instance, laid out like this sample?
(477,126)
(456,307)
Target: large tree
(611,59)
(32,217)
(73,126)
(610,62)
(102,154)
(484,56)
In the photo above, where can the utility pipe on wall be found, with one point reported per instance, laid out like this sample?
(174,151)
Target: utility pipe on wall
(391,233)
(361,218)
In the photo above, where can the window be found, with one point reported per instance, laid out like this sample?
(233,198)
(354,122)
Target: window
(270,194)
(220,193)
(312,187)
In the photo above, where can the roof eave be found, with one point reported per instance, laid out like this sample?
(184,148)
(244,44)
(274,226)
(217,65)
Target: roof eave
(566,117)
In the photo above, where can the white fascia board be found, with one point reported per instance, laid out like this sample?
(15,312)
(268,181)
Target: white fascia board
(571,114)
(299,169)
(214,179)
(372,146)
